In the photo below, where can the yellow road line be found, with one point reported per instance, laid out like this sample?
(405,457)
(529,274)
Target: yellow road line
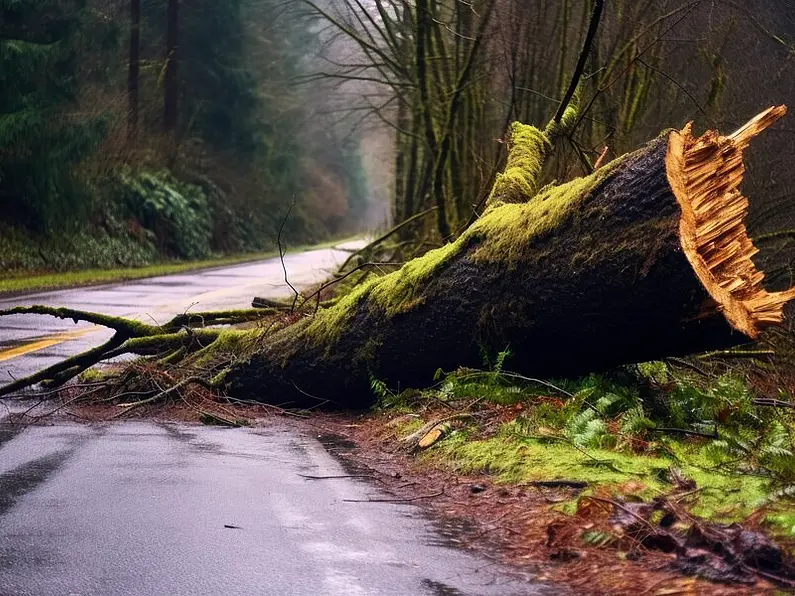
(45,342)
(59,338)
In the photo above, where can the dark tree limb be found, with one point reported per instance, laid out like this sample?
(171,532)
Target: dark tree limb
(126,327)
(71,366)
(593,27)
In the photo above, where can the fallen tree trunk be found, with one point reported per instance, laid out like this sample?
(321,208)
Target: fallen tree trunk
(648,257)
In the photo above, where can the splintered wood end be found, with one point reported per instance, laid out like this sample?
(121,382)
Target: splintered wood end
(705,175)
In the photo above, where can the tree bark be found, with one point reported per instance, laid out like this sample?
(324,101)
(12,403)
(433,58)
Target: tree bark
(646,258)
(133,73)
(171,103)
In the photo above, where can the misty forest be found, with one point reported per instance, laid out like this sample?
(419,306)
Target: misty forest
(564,235)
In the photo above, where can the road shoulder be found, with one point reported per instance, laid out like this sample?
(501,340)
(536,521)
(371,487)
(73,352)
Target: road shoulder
(515,524)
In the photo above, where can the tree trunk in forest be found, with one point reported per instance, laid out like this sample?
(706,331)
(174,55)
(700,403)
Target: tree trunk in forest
(171,107)
(133,73)
(646,258)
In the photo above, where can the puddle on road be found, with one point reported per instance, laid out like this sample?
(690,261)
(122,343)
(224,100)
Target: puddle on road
(337,446)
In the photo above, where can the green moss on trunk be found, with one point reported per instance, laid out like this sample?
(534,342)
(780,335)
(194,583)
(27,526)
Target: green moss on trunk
(580,277)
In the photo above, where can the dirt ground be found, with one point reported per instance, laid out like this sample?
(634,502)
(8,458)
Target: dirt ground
(516,524)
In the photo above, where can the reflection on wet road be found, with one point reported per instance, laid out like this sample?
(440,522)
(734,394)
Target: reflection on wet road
(162,509)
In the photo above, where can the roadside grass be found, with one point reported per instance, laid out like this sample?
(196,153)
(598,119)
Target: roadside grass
(23,281)
(642,433)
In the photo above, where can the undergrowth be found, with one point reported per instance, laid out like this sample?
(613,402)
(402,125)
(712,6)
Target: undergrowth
(641,429)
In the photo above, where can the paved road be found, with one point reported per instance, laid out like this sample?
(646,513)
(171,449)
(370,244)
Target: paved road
(31,342)
(143,508)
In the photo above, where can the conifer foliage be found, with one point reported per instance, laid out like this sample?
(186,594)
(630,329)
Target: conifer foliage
(40,139)
(134,120)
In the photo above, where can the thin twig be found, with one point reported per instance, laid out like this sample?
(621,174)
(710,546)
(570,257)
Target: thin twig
(684,431)
(618,505)
(281,254)
(387,235)
(512,375)
(308,477)
(593,26)
(772,402)
(336,280)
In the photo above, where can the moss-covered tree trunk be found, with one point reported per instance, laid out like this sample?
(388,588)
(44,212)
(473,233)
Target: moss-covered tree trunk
(648,257)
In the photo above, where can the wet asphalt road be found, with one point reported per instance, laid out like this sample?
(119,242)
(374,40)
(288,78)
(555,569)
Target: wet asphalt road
(145,508)
(157,299)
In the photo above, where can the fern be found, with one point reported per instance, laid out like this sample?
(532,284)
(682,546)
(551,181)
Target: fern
(634,421)
(586,429)
(380,389)
(776,454)
(501,357)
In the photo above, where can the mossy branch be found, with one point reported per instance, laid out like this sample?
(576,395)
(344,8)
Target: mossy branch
(222,317)
(131,337)
(66,370)
(126,327)
(156,345)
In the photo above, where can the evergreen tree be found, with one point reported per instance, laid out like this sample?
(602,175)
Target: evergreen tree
(219,91)
(39,141)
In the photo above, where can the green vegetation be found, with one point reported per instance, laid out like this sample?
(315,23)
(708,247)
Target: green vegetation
(86,277)
(638,432)
(41,43)
(93,176)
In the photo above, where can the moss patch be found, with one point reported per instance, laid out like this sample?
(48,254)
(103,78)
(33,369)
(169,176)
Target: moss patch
(391,294)
(329,323)
(514,460)
(722,497)
(238,343)
(509,233)
(525,160)
(402,290)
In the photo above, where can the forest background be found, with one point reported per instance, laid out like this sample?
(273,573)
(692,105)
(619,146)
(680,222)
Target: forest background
(137,131)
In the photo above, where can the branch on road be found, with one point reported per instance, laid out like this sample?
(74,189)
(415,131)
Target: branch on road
(185,334)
